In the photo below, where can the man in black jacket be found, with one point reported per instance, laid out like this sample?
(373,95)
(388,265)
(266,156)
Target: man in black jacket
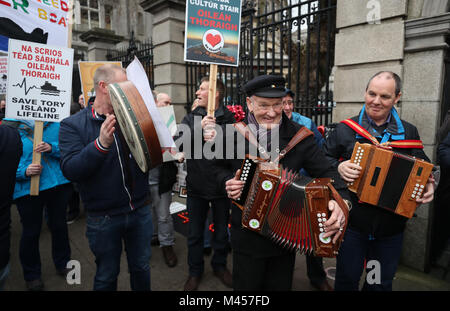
(258,262)
(373,233)
(10,153)
(203,190)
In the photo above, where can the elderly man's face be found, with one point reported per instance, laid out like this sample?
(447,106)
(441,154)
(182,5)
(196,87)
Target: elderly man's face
(288,105)
(380,98)
(163,100)
(267,111)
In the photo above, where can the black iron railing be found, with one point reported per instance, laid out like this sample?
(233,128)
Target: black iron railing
(288,37)
(142,50)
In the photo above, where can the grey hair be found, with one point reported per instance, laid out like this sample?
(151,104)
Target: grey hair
(393,75)
(106,73)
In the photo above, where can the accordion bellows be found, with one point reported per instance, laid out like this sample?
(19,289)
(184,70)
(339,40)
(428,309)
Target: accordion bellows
(388,179)
(286,207)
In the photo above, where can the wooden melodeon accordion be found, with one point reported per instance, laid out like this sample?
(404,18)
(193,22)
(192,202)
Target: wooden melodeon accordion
(388,179)
(289,208)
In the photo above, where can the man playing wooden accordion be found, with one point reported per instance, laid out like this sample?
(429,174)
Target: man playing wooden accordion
(258,262)
(373,233)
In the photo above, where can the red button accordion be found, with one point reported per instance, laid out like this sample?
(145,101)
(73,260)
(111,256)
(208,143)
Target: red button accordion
(388,179)
(289,208)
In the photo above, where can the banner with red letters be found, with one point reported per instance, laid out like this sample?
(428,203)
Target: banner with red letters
(41,21)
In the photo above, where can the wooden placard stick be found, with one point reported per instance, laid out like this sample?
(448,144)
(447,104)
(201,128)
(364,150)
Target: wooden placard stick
(38,131)
(39,126)
(212,89)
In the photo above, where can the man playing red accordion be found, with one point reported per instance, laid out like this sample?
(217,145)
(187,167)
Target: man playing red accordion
(258,262)
(373,233)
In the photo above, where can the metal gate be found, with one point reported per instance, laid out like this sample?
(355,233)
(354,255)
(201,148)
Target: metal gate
(294,38)
(142,50)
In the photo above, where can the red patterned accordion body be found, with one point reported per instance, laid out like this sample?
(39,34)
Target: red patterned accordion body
(287,207)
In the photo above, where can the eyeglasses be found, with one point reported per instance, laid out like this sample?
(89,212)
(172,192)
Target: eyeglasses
(266,107)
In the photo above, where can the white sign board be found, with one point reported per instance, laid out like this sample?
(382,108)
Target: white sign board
(39,81)
(3,74)
(168,116)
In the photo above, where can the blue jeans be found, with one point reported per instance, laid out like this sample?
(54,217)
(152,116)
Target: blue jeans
(105,235)
(198,211)
(358,247)
(31,210)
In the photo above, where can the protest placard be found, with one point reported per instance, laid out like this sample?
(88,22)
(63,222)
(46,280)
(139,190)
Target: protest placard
(39,82)
(212,31)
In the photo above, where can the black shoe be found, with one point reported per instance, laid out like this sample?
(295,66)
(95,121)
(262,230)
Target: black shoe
(207,251)
(192,283)
(169,256)
(35,285)
(323,287)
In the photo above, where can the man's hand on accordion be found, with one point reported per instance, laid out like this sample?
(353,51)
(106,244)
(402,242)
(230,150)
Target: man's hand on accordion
(349,171)
(334,225)
(429,192)
(234,186)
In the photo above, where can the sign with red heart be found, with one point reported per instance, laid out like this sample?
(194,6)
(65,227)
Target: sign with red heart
(212,32)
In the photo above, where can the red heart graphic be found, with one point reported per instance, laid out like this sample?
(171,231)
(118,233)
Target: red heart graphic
(213,39)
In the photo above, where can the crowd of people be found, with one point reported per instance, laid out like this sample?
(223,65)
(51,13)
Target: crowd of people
(85,157)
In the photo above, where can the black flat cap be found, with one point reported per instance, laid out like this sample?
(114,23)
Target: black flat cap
(270,86)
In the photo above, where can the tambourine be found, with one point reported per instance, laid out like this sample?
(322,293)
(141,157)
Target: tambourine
(136,124)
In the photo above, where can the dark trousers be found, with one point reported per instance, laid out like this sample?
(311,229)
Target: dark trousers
(31,211)
(267,274)
(106,235)
(74,202)
(198,211)
(314,269)
(357,248)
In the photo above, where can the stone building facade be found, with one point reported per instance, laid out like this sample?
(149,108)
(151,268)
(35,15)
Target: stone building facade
(106,24)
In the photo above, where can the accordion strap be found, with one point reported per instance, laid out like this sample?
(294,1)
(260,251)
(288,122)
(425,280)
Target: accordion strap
(336,196)
(301,134)
(241,127)
(396,144)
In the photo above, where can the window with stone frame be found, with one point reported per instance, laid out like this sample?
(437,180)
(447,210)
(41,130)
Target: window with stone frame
(87,13)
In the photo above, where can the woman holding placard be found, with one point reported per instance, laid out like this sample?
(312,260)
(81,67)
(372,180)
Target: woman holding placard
(54,193)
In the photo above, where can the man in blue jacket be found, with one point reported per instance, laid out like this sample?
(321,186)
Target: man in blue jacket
(113,189)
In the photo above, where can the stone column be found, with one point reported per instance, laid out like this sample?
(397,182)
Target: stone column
(423,69)
(168,40)
(99,41)
(370,39)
